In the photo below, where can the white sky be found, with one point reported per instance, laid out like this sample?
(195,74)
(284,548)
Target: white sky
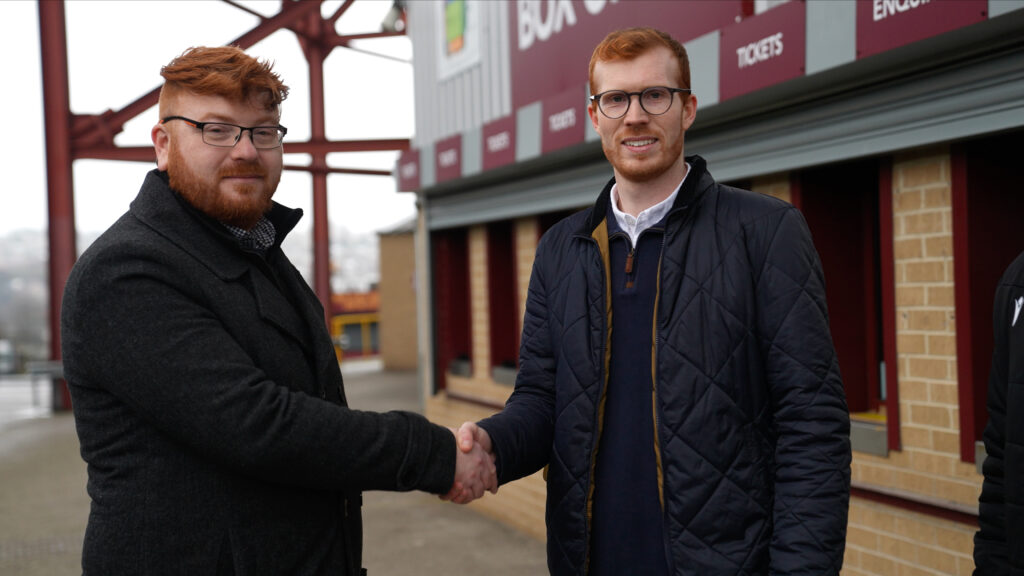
(115,51)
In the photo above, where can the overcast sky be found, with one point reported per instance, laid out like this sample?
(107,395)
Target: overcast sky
(115,51)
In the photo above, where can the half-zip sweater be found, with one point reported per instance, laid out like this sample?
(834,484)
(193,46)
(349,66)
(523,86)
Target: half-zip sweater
(628,520)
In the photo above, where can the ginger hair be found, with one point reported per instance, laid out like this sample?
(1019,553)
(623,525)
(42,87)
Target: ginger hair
(630,43)
(225,71)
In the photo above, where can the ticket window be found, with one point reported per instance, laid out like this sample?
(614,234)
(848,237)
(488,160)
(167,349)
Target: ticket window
(501,295)
(452,332)
(841,205)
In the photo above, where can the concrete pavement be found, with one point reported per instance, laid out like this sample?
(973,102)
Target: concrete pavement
(44,506)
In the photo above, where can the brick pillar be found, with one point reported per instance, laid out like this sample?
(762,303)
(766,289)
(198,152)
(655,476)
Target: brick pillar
(527,231)
(887,540)
(925,325)
(479,310)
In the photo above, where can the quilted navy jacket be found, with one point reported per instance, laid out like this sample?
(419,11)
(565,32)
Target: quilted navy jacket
(751,428)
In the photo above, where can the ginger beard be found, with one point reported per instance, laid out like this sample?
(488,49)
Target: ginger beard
(242,209)
(642,167)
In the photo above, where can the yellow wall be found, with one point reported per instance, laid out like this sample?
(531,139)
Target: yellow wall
(398,302)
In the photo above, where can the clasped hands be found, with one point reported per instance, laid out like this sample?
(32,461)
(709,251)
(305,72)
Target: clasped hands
(474,465)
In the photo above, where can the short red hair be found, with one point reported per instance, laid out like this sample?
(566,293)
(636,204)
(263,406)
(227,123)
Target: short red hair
(629,43)
(222,71)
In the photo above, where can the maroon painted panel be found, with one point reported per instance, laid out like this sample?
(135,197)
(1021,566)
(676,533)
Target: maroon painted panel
(840,203)
(501,293)
(499,143)
(564,119)
(448,158)
(452,329)
(409,171)
(887,272)
(886,24)
(552,40)
(764,50)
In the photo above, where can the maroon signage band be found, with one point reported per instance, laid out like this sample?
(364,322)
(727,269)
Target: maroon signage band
(886,24)
(552,39)
(564,119)
(409,170)
(763,50)
(499,143)
(448,158)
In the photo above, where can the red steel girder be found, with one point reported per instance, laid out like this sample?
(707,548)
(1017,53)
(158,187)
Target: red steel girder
(60,189)
(98,130)
(323,147)
(71,136)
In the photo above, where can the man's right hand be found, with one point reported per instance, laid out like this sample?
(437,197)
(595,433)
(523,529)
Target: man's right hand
(474,465)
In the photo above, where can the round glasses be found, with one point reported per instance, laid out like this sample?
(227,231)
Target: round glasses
(655,100)
(227,135)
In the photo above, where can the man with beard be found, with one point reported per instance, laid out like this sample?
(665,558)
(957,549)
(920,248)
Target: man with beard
(677,378)
(207,396)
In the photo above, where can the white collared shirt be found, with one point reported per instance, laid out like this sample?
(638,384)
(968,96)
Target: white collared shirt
(647,218)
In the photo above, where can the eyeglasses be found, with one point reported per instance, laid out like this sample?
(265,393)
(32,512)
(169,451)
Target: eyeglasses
(227,135)
(655,100)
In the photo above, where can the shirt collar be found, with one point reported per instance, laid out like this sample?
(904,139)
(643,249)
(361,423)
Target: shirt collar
(647,218)
(260,238)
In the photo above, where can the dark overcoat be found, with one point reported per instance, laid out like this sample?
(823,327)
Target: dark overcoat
(210,407)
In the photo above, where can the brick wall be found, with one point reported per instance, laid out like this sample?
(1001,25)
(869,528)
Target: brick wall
(398,299)
(480,316)
(527,232)
(885,540)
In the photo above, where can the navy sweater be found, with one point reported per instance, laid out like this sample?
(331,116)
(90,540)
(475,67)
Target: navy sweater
(628,531)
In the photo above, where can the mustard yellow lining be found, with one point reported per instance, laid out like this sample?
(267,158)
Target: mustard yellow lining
(600,234)
(654,385)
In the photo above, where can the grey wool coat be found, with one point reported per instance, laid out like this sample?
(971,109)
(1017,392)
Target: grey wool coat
(211,410)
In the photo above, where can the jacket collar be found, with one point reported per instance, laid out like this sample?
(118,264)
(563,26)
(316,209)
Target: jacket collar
(696,183)
(165,211)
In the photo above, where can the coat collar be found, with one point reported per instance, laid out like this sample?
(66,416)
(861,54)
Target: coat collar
(696,183)
(165,211)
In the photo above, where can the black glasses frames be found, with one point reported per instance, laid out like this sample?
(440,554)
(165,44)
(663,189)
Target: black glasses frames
(656,100)
(227,135)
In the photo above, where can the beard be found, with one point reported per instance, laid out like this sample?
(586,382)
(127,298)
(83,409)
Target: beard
(643,168)
(242,209)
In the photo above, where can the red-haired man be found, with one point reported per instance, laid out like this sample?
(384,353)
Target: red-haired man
(677,377)
(206,392)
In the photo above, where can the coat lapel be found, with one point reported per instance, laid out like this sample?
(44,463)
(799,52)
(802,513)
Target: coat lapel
(162,210)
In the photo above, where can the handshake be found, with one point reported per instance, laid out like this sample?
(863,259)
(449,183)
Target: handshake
(474,465)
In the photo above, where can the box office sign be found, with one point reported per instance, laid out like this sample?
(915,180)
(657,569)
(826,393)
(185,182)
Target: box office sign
(886,24)
(409,170)
(499,143)
(552,40)
(448,158)
(763,50)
